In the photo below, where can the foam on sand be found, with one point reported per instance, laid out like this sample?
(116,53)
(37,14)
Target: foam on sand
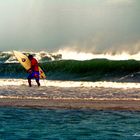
(105,84)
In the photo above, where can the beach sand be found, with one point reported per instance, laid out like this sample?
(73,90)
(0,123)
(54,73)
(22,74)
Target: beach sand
(70,98)
(72,104)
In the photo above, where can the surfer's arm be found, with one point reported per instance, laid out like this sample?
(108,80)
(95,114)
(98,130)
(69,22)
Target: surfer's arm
(29,70)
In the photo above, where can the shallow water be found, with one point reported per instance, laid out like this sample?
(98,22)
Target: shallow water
(24,92)
(18,88)
(44,124)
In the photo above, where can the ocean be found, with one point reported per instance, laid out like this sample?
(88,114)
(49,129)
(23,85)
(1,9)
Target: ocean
(96,99)
(61,124)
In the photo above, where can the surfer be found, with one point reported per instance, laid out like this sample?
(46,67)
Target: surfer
(33,71)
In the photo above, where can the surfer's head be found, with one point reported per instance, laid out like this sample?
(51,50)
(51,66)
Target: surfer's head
(30,56)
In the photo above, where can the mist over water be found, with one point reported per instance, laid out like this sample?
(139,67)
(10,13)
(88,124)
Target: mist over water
(96,27)
(69,53)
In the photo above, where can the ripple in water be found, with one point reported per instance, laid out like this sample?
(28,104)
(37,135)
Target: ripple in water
(37,124)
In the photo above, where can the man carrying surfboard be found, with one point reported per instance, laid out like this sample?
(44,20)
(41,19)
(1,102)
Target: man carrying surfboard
(31,66)
(33,71)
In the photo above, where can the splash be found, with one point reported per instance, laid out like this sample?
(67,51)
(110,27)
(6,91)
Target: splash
(71,54)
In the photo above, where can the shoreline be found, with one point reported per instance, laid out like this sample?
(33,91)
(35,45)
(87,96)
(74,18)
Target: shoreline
(80,97)
(97,104)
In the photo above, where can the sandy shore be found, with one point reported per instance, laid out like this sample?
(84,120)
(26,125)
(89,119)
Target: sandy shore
(72,104)
(71,98)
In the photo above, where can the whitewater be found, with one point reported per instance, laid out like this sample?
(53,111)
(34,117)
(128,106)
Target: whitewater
(67,54)
(56,83)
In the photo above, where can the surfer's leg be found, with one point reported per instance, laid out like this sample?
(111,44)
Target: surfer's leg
(30,76)
(29,82)
(37,78)
(38,83)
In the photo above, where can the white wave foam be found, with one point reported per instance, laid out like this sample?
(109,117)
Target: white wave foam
(70,54)
(104,84)
(38,55)
(68,98)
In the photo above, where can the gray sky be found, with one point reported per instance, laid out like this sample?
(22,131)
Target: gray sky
(86,25)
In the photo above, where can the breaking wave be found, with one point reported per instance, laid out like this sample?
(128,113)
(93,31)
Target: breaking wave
(88,70)
(64,54)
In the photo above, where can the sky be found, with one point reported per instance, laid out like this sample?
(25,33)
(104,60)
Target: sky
(92,26)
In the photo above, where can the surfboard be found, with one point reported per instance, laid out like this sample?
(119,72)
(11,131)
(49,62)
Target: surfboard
(26,63)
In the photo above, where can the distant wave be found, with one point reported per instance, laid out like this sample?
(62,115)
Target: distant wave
(43,56)
(88,70)
(8,57)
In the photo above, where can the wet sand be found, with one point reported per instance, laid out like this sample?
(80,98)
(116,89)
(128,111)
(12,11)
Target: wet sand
(70,98)
(72,104)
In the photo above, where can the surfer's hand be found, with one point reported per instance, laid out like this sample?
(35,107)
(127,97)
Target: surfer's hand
(29,71)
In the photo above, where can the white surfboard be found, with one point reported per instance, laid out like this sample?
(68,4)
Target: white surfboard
(26,63)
